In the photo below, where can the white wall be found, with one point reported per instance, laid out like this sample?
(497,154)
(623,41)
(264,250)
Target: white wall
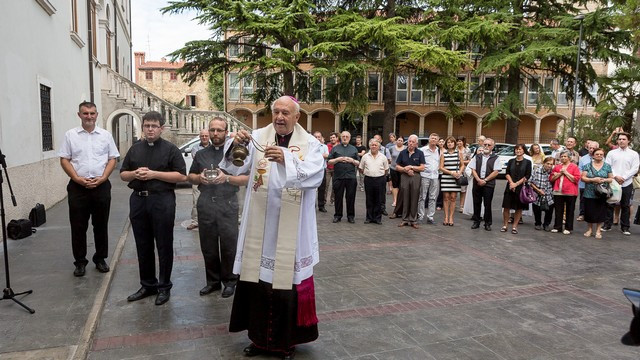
(35,48)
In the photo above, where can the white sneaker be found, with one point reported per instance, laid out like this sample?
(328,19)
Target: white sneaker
(566,232)
(626,232)
(554,230)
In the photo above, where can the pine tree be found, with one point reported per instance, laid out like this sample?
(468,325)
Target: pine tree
(542,38)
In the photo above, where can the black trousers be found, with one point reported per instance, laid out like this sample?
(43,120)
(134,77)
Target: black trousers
(581,206)
(152,219)
(482,194)
(374,189)
(564,203)
(537,213)
(340,187)
(84,204)
(322,191)
(625,210)
(218,230)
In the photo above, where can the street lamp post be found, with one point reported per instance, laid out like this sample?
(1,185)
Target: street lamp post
(575,85)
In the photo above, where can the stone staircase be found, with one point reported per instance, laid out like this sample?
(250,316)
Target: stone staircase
(120,95)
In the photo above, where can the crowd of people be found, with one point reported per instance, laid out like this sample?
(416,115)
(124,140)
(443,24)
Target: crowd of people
(418,177)
(269,269)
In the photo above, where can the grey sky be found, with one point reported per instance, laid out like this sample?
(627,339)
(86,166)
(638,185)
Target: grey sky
(158,35)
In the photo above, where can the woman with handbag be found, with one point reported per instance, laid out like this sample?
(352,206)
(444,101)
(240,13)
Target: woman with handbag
(452,168)
(564,177)
(518,172)
(541,184)
(597,176)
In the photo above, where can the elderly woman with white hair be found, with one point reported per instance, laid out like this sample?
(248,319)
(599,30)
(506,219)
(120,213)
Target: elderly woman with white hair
(374,166)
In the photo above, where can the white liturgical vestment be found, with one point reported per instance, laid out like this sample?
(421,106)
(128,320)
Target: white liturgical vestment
(296,174)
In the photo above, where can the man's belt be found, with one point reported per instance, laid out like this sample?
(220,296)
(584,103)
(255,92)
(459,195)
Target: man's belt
(145,193)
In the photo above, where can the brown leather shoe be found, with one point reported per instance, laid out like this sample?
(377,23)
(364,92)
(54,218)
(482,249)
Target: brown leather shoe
(415,226)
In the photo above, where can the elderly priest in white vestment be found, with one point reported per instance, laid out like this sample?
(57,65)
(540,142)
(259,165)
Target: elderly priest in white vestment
(278,240)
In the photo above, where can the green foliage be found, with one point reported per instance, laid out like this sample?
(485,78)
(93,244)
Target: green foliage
(216,90)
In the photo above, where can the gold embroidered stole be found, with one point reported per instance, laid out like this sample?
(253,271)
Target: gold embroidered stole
(290,201)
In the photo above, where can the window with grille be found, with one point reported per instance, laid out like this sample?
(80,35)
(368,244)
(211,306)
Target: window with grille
(174,75)
(148,75)
(45,117)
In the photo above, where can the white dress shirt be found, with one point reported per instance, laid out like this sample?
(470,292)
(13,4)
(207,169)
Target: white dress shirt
(88,152)
(432,162)
(624,163)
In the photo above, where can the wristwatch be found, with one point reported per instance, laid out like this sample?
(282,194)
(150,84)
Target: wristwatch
(227,181)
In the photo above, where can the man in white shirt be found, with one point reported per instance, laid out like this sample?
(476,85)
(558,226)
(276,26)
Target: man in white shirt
(624,166)
(88,156)
(429,185)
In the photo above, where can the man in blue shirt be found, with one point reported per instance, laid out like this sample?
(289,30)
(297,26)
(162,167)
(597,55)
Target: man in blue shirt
(409,164)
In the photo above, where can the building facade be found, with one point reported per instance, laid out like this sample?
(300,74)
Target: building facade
(53,54)
(423,111)
(162,79)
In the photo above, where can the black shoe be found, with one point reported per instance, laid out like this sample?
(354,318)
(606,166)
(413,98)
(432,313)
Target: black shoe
(379,222)
(367,221)
(209,289)
(80,270)
(102,266)
(606,228)
(252,350)
(336,219)
(487,227)
(351,220)
(384,212)
(228,291)
(546,228)
(629,340)
(141,294)
(475,225)
(163,296)
(322,209)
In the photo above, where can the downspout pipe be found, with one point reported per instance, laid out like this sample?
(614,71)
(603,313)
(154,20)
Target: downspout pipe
(90,42)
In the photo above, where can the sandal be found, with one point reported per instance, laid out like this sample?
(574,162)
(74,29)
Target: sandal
(503,229)
(588,233)
(598,236)
(514,231)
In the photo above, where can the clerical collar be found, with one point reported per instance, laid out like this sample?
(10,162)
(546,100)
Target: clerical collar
(283,140)
(153,143)
(217,147)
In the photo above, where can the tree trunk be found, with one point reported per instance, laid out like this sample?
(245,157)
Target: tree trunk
(287,79)
(513,122)
(389,97)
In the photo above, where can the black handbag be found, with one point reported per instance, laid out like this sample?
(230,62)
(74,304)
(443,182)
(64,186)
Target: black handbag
(19,229)
(37,215)
(603,189)
(462,180)
(544,204)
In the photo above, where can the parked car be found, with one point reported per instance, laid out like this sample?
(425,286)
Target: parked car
(185,150)
(508,152)
(496,149)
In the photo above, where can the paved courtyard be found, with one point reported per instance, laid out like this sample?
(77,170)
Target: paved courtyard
(383,292)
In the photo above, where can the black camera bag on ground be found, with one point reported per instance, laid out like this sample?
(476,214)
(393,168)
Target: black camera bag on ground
(18,229)
(37,215)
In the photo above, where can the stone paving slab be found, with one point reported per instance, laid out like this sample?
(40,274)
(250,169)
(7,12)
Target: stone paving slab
(383,292)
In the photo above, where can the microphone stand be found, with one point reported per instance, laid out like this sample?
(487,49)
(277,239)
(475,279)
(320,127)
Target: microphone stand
(7,293)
